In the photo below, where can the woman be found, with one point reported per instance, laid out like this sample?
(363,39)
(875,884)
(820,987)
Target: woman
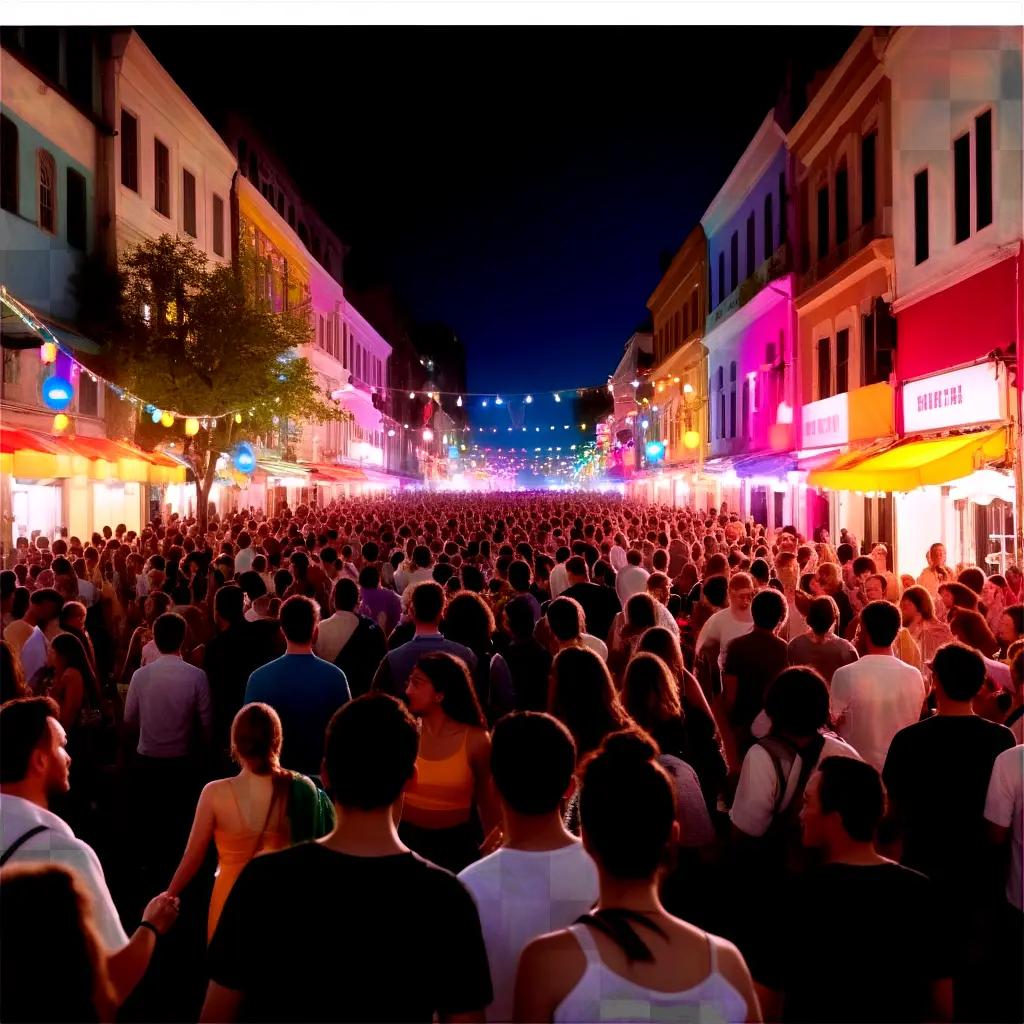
(993,600)
(952,597)
(469,621)
(12,681)
(73,685)
(629,959)
(969,626)
(1011,627)
(1014,585)
(453,770)
(918,611)
(787,569)
(703,741)
(141,648)
(628,626)
(264,807)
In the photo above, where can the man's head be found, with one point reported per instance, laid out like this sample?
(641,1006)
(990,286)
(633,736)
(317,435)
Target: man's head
(741,592)
(33,746)
(169,633)
(229,606)
(958,671)
(634,556)
(876,587)
(46,604)
(822,615)
(369,577)
(937,555)
(576,570)
(370,752)
(300,617)
(427,603)
(533,757)
(880,621)
(421,557)
(565,618)
(659,587)
(760,572)
(797,702)
(844,801)
(769,609)
(346,595)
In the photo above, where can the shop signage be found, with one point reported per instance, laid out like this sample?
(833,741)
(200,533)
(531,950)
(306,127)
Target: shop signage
(959,398)
(826,422)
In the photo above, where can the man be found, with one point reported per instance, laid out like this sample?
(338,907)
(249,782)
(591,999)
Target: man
(426,607)
(632,578)
(34,766)
(600,604)
(351,896)
(564,621)
(753,660)
(617,556)
(245,554)
(876,696)
(731,622)
(660,587)
(876,588)
(936,572)
(67,583)
(359,641)
(558,581)
(303,689)
(888,958)
(820,648)
(419,570)
(30,637)
(382,605)
(830,580)
(519,579)
(541,879)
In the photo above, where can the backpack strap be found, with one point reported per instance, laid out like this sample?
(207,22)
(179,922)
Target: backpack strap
(20,842)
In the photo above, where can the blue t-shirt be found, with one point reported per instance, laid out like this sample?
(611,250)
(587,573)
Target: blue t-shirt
(305,691)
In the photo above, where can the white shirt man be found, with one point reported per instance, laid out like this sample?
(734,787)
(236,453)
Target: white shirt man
(558,581)
(722,628)
(334,633)
(631,580)
(1004,808)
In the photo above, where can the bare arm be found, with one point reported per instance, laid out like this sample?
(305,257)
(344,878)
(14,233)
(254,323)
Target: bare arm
(198,842)
(127,966)
(538,990)
(71,700)
(483,791)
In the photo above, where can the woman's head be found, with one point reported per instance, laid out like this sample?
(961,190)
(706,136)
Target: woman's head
(627,807)
(665,644)
(468,621)
(650,692)
(12,680)
(957,595)
(1011,624)
(256,738)
(442,681)
(582,696)
(47,926)
(970,627)
(640,613)
(156,604)
(916,605)
(66,651)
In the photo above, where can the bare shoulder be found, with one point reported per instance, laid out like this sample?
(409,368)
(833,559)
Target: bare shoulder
(478,741)
(550,967)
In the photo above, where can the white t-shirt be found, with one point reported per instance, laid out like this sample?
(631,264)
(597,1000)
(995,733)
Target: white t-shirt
(758,791)
(1004,806)
(243,560)
(629,581)
(872,699)
(521,894)
(333,634)
(558,581)
(596,644)
(722,628)
(617,557)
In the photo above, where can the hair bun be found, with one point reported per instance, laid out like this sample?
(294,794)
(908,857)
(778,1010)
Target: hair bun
(630,745)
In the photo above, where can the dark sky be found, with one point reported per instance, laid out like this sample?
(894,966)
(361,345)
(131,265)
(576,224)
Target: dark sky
(518,184)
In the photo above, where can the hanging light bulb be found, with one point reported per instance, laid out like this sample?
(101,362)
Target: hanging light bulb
(458,401)
(412,394)
(191,427)
(156,415)
(48,352)
(529,399)
(634,383)
(238,417)
(60,422)
(498,400)
(558,397)
(167,419)
(484,403)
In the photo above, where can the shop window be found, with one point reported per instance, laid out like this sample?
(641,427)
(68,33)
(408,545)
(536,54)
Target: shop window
(983,170)
(188,202)
(751,243)
(842,205)
(962,188)
(161,178)
(77,232)
(867,177)
(921,216)
(842,360)
(47,192)
(8,164)
(822,222)
(769,245)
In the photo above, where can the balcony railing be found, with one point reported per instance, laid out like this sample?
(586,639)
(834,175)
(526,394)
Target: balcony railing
(776,266)
(839,254)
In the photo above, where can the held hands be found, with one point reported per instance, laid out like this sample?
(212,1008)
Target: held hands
(162,911)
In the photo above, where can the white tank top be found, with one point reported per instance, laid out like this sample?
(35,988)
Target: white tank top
(601,995)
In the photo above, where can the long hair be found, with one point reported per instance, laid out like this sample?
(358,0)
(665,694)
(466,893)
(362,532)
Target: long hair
(970,627)
(665,644)
(650,693)
(582,696)
(469,621)
(919,597)
(450,677)
(12,679)
(73,654)
(54,965)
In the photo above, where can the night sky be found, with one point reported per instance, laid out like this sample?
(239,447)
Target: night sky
(519,184)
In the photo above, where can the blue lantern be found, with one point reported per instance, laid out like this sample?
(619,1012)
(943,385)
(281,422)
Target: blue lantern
(244,458)
(57,393)
(655,450)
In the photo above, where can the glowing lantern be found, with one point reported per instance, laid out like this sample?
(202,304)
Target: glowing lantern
(155,415)
(243,457)
(57,393)
(691,439)
(167,419)
(60,422)
(191,426)
(238,417)
(48,352)
(428,435)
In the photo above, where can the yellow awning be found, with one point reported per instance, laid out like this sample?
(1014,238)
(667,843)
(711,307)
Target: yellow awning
(912,464)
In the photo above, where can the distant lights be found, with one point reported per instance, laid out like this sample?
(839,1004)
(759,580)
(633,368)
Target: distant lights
(529,399)
(645,424)
(498,400)
(391,432)
(558,397)
(428,434)
(634,383)
(412,395)
(458,401)
(484,403)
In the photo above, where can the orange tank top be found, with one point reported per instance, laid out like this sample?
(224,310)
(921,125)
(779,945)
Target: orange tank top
(444,785)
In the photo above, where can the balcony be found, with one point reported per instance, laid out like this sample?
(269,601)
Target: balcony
(775,267)
(819,270)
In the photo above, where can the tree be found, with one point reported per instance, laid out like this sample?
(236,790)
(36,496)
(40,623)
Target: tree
(199,342)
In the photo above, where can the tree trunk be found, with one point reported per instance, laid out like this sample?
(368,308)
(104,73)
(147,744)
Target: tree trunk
(205,472)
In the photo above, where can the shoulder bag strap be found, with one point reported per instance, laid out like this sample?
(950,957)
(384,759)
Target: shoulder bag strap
(19,842)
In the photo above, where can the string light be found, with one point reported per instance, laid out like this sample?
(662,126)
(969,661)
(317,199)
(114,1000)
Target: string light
(498,401)
(458,401)
(529,399)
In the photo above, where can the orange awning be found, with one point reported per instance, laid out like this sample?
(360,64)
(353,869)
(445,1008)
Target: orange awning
(332,473)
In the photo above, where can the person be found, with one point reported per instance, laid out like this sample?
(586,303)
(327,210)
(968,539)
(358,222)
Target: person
(876,696)
(253,812)
(34,767)
(629,951)
(970,628)
(30,636)
(630,624)
(892,939)
(724,626)
(245,553)
(632,577)
(12,682)
(1011,627)
(333,632)
(418,569)
(565,622)
(541,878)
(918,611)
(753,660)
(936,571)
(520,579)
(528,662)
(830,581)
(469,621)
(558,580)
(379,603)
(453,775)
(904,647)
(993,599)
(600,604)
(426,605)
(75,688)
(303,689)
(354,893)
(819,648)
(954,596)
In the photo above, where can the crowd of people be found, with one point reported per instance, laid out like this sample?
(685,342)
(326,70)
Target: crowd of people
(507,757)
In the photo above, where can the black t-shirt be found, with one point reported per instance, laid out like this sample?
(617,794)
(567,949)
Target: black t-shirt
(937,773)
(309,934)
(755,660)
(860,943)
(600,605)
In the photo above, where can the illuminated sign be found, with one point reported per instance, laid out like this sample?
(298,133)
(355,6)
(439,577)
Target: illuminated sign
(826,422)
(959,398)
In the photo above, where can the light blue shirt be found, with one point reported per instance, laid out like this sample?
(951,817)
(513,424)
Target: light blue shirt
(165,700)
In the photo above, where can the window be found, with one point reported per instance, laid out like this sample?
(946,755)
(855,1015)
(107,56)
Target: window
(188,203)
(878,331)
(280,203)
(782,208)
(983,169)
(769,243)
(12,366)
(693,309)
(254,169)
(78,64)
(8,164)
(721,401)
(129,151)
(47,192)
(161,178)
(824,347)
(721,277)
(751,243)
(686,321)
(42,45)
(677,323)
(921,216)
(842,205)
(842,360)
(732,399)
(822,222)
(77,233)
(867,177)
(88,395)
(746,411)
(962,188)
(218,225)
(734,260)
(291,216)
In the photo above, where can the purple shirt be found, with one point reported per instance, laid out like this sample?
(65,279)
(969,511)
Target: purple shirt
(383,606)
